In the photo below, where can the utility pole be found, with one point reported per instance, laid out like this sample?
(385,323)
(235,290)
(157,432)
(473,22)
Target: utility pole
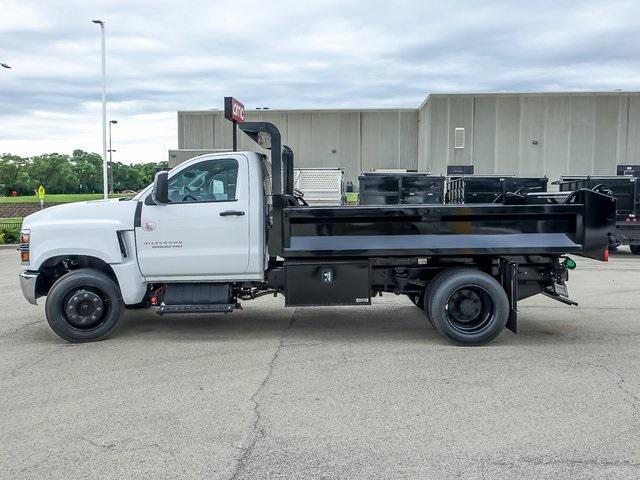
(111,150)
(105,180)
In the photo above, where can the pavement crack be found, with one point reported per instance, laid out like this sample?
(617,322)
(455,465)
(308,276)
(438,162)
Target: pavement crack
(39,360)
(126,444)
(108,446)
(257,431)
(20,328)
(632,397)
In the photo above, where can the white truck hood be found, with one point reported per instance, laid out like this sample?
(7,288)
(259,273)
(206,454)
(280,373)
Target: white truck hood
(82,228)
(117,213)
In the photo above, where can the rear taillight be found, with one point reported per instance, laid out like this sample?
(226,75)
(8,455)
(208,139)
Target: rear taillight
(632,218)
(25,241)
(605,257)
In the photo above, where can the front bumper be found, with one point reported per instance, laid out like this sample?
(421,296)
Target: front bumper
(28,282)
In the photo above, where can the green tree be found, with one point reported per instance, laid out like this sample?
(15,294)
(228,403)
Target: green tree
(148,171)
(14,174)
(79,173)
(125,177)
(88,169)
(55,172)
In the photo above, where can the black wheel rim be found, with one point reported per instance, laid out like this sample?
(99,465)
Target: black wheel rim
(469,309)
(85,308)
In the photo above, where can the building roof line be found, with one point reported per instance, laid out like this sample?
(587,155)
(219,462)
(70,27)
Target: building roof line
(311,110)
(571,93)
(424,102)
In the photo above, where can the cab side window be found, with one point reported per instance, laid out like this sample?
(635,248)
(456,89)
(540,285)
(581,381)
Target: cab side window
(208,181)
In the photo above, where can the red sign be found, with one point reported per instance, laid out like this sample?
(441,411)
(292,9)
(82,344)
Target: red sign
(233,110)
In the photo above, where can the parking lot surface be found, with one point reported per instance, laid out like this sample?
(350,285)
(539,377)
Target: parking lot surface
(369,392)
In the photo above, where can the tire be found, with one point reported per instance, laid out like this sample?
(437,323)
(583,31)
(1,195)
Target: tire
(467,307)
(635,249)
(84,305)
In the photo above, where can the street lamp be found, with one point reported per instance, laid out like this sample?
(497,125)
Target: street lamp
(111,150)
(105,183)
(4,65)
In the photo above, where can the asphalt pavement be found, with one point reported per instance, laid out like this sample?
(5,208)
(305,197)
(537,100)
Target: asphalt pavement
(353,393)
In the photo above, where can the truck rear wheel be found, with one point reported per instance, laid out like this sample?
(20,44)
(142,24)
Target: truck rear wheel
(84,305)
(467,306)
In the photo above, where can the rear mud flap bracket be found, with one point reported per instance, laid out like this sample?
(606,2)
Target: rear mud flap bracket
(509,277)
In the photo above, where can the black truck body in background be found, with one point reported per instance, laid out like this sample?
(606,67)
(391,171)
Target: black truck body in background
(626,190)
(400,188)
(491,188)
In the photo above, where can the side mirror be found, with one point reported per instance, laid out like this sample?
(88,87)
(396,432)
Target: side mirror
(160,192)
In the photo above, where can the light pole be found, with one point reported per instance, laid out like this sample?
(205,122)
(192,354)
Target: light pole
(105,181)
(111,150)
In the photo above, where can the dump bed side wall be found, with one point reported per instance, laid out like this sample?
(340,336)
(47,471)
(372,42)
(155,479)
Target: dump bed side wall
(432,230)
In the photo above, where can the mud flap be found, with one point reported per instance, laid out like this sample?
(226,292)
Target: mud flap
(509,280)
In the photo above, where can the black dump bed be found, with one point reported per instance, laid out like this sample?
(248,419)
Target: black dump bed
(400,188)
(580,226)
(491,188)
(625,189)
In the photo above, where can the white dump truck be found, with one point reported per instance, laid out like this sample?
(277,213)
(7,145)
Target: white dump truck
(228,227)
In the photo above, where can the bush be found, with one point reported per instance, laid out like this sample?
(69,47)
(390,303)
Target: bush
(10,234)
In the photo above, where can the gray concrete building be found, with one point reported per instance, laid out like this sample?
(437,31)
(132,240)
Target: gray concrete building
(506,133)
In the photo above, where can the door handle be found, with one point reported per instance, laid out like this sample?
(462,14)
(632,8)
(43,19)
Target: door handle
(228,213)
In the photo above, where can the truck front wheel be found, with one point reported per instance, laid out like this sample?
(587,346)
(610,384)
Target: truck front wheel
(467,306)
(84,305)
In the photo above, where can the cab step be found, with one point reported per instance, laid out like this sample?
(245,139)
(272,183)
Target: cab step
(199,308)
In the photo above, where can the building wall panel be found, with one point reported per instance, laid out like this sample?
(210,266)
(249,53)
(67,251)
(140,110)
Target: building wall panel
(460,116)
(633,129)
(438,147)
(380,138)
(605,141)
(507,135)
(531,141)
(581,134)
(556,137)
(484,135)
(408,140)
(424,136)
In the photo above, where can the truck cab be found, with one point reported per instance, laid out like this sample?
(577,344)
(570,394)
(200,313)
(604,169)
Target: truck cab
(212,226)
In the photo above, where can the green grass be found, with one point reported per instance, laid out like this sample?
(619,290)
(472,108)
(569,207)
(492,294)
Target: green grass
(58,198)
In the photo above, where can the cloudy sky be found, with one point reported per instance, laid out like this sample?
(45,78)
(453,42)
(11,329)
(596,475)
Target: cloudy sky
(168,56)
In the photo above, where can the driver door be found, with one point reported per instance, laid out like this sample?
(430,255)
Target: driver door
(203,232)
